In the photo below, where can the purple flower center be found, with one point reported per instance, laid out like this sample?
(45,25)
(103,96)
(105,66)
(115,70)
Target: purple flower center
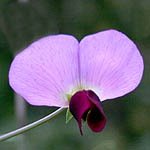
(87,106)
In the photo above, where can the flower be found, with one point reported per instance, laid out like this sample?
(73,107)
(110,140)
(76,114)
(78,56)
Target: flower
(59,71)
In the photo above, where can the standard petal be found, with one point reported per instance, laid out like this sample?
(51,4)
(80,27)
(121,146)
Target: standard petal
(46,70)
(110,64)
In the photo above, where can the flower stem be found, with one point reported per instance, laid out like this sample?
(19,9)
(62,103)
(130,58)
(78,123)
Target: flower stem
(30,126)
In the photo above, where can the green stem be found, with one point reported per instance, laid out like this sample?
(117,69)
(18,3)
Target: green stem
(30,126)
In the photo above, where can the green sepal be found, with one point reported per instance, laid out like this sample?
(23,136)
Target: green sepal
(69,116)
(69,97)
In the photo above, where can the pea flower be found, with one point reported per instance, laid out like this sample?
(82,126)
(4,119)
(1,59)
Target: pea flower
(59,71)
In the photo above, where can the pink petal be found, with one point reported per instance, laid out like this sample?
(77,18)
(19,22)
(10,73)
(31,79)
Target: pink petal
(46,70)
(110,64)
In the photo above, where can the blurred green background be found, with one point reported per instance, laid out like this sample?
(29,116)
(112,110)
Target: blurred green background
(128,117)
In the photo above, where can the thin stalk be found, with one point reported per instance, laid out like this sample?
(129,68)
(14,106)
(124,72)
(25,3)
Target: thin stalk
(30,126)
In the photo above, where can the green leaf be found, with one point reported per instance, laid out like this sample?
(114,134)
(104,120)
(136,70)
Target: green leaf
(68,115)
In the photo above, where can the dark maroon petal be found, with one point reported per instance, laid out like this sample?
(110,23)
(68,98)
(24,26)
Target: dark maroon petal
(79,106)
(86,105)
(96,118)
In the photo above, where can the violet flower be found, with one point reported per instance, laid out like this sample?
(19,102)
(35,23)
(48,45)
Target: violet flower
(59,71)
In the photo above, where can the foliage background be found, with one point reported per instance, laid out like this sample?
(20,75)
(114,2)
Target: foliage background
(23,21)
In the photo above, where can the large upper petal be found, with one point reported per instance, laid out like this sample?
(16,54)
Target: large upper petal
(110,64)
(45,71)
